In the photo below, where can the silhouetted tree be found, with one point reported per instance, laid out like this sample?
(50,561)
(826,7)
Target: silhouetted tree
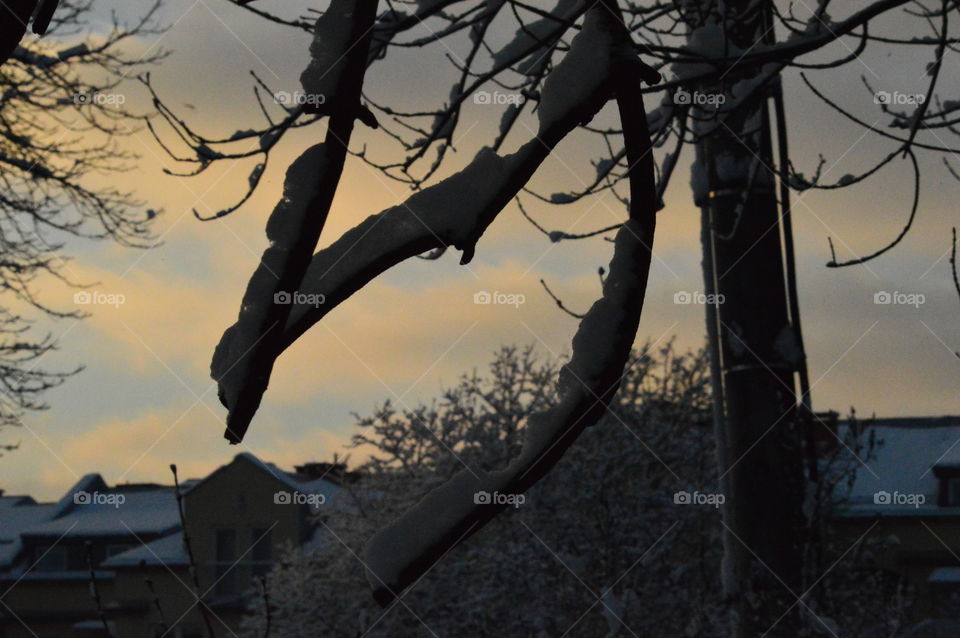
(61,117)
(608,546)
(722,96)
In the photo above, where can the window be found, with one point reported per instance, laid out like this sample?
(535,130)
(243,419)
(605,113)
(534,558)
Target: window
(51,559)
(261,552)
(225,553)
(952,489)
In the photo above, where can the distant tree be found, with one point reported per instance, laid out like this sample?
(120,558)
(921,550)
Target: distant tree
(601,549)
(61,119)
(603,533)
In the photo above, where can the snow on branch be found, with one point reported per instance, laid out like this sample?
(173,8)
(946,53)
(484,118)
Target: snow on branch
(244,358)
(454,212)
(402,552)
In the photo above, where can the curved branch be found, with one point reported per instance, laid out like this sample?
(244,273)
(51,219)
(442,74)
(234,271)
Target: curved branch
(336,71)
(399,554)
(559,302)
(913,212)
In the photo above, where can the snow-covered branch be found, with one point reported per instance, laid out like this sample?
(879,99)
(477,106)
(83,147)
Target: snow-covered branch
(399,554)
(244,357)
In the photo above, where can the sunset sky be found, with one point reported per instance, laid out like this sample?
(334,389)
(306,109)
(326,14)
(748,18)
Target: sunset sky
(146,399)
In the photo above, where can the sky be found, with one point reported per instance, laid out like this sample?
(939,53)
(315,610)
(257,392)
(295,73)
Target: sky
(145,398)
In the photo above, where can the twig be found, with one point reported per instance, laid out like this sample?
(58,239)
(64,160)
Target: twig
(192,562)
(156,603)
(94,591)
(953,268)
(833,263)
(266,605)
(575,315)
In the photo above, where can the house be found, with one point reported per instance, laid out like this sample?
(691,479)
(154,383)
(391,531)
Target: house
(906,494)
(126,543)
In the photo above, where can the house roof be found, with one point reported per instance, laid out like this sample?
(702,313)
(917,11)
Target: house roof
(17,514)
(168,551)
(120,513)
(90,508)
(944,575)
(902,464)
(294,482)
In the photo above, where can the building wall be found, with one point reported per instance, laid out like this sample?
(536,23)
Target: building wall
(51,607)
(238,499)
(924,544)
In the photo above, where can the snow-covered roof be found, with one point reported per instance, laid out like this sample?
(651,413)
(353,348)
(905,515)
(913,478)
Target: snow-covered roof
(294,482)
(17,514)
(116,513)
(168,551)
(91,508)
(945,575)
(902,466)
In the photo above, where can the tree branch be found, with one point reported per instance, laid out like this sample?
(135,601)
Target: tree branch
(399,554)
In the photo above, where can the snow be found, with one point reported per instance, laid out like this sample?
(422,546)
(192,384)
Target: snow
(945,575)
(328,60)
(255,175)
(87,483)
(150,512)
(168,551)
(708,42)
(541,30)
(903,463)
(508,116)
(18,514)
(291,481)
(143,511)
(243,359)
(601,345)
(232,357)
(576,80)
(699,182)
(576,88)
(477,193)
(816,24)
(443,123)
(426,6)
(788,347)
